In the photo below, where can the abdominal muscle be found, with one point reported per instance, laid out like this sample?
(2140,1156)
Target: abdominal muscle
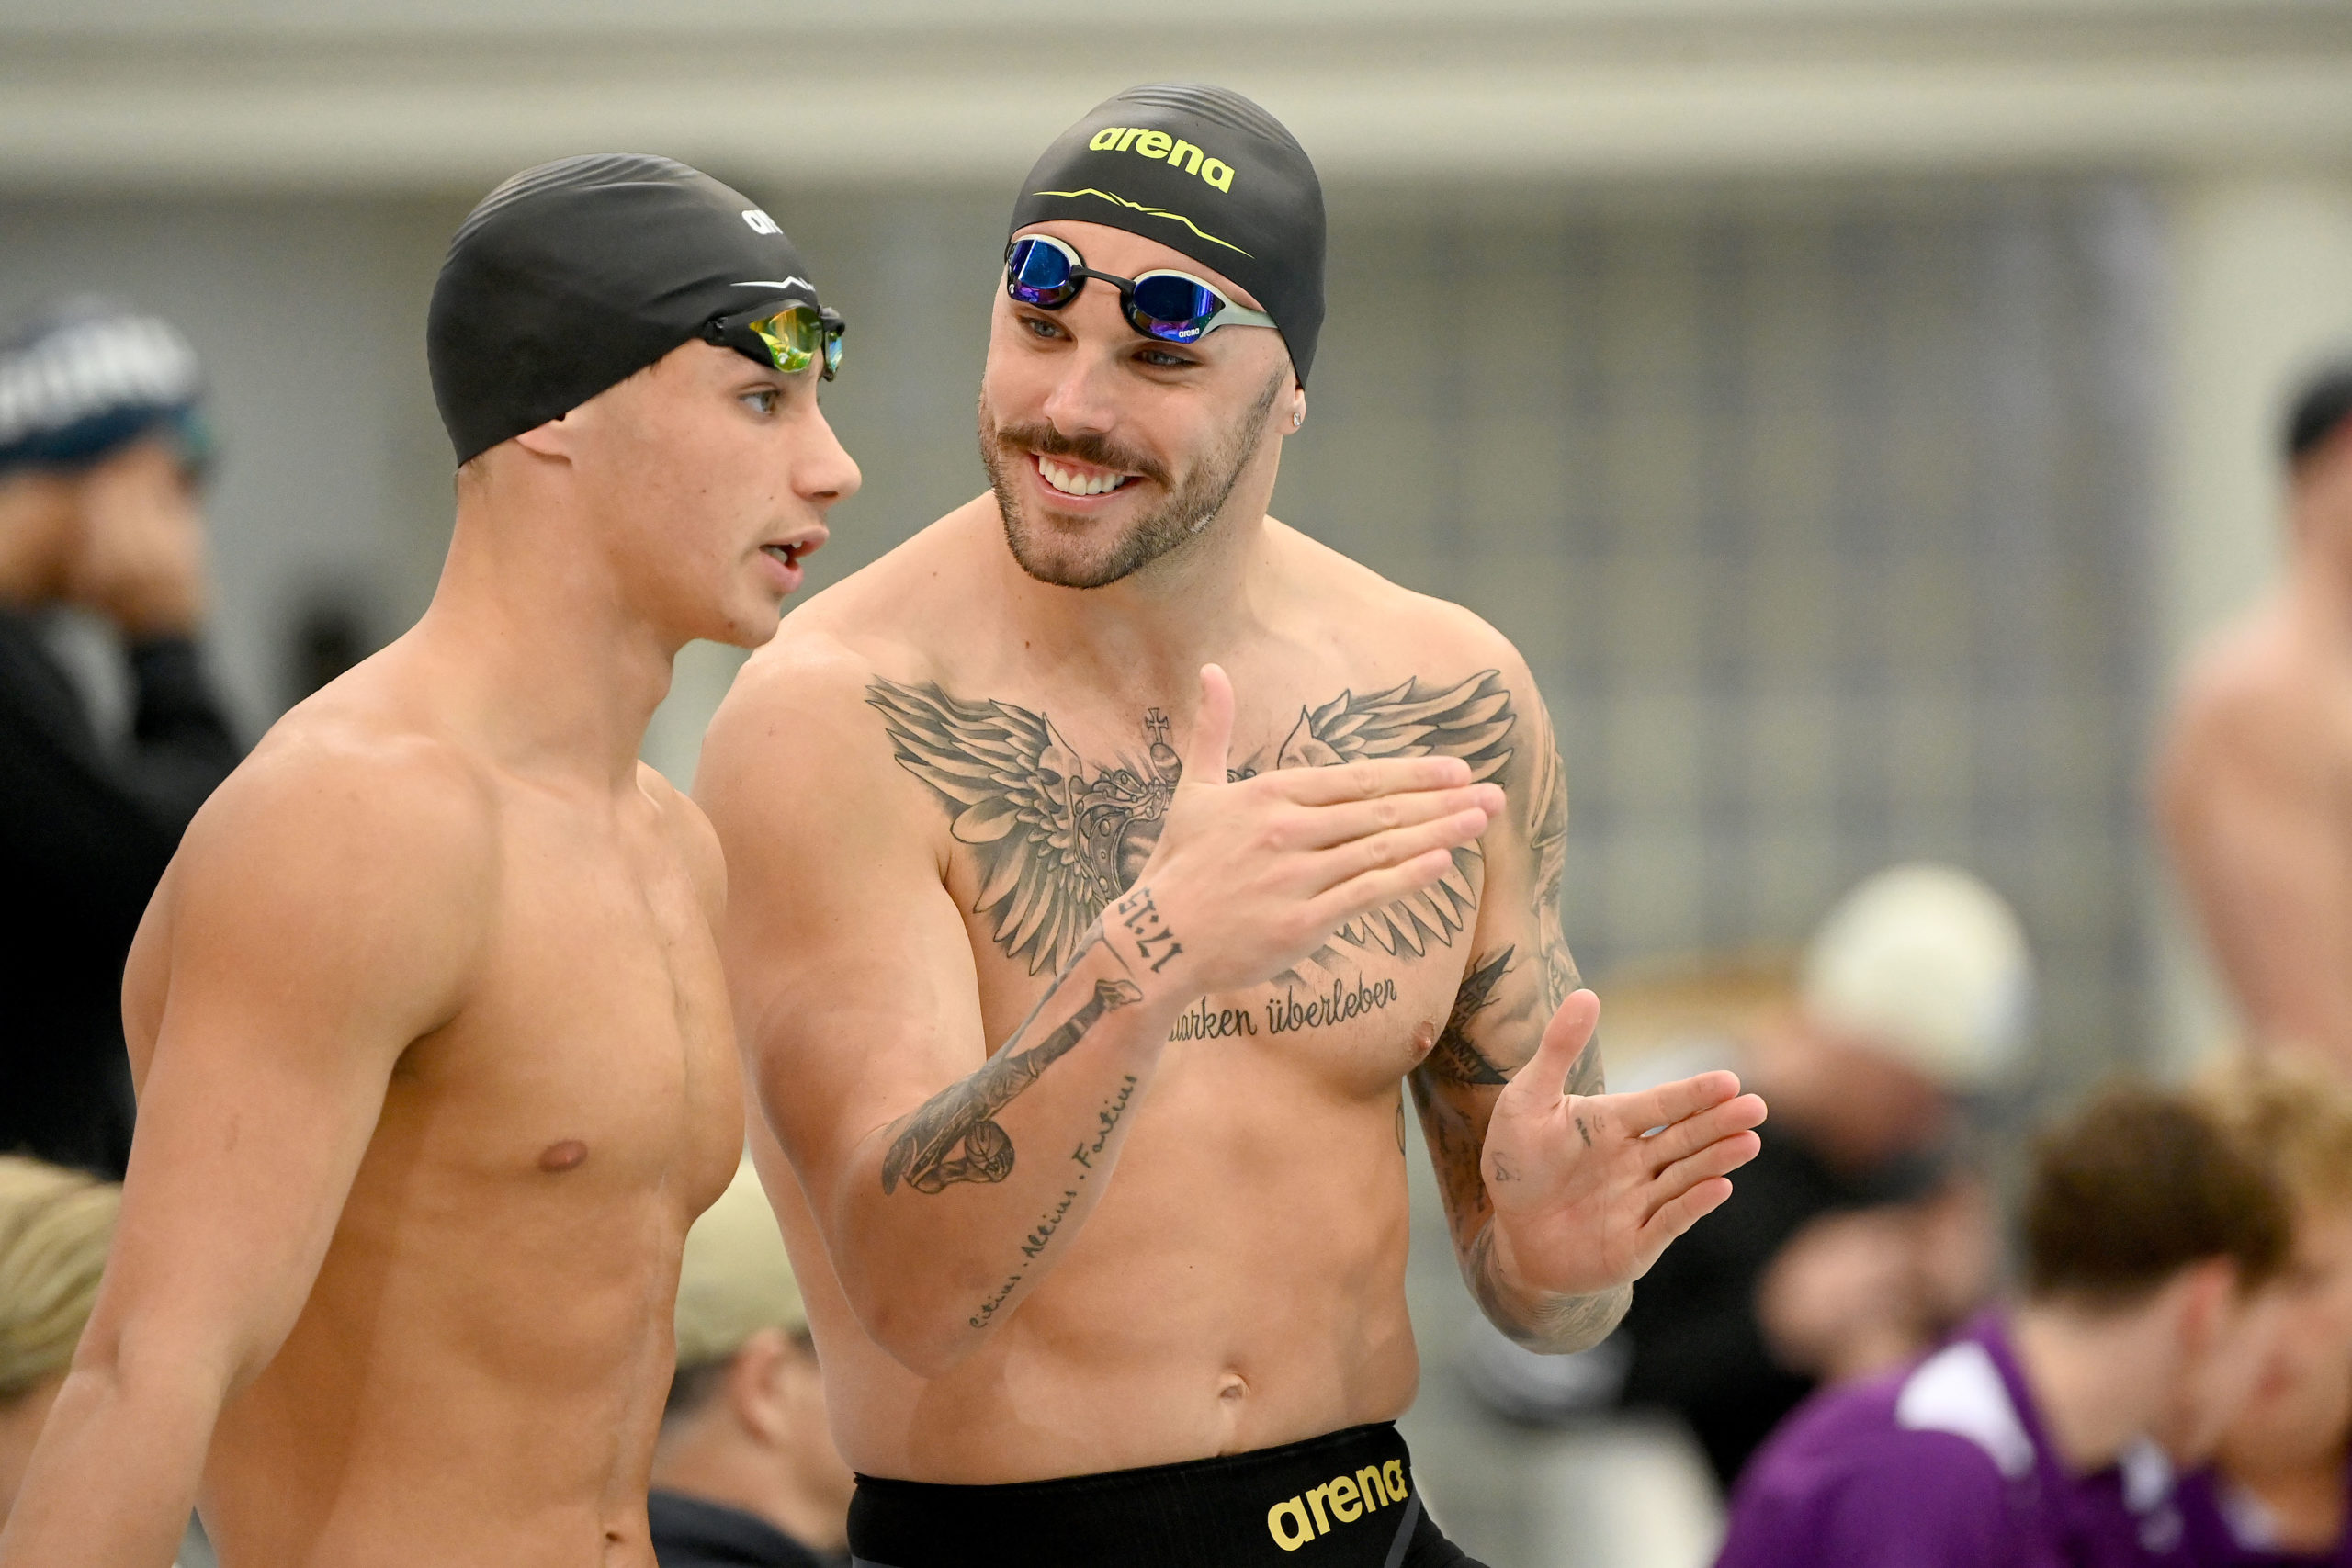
(464,1386)
(1240,1286)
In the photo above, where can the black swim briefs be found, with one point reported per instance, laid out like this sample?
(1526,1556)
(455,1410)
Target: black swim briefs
(1347,1500)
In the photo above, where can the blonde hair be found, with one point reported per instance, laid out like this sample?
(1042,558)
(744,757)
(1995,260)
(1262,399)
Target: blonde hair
(2298,1111)
(55,1226)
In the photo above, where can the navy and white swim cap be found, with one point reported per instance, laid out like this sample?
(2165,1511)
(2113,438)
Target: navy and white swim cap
(89,376)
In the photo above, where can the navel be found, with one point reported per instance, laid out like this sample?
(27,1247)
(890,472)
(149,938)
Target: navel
(563,1156)
(1233,1388)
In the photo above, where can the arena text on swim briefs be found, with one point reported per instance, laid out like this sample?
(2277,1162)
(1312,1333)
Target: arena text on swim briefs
(1295,1521)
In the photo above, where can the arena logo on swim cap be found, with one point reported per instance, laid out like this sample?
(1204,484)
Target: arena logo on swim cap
(1161,147)
(759,222)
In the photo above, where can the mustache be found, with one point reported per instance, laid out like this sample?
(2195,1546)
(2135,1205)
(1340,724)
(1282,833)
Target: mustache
(1101,451)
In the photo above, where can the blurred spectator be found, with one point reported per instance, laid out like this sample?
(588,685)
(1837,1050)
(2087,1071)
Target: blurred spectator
(99,451)
(2157,1242)
(2256,772)
(2277,1493)
(1853,1241)
(745,1472)
(54,1229)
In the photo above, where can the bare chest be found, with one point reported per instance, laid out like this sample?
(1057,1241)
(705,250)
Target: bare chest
(1042,831)
(595,1050)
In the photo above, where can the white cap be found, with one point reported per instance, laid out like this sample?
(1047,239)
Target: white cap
(1928,963)
(735,1279)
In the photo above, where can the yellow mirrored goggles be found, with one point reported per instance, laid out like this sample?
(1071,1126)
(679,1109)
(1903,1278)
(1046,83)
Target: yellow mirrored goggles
(791,338)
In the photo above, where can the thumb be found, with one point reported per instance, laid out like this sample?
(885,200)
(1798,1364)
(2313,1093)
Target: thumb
(1205,758)
(1545,1077)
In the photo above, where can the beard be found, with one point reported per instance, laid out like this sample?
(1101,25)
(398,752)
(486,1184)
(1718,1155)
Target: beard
(1056,554)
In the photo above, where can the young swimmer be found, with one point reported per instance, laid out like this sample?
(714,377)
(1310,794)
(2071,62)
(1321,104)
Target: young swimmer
(1130,1289)
(432,1041)
(2280,1493)
(2046,1437)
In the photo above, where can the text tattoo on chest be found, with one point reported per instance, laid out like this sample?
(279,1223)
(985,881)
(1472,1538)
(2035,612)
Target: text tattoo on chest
(1058,837)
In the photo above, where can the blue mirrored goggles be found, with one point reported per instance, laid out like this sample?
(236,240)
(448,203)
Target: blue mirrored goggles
(1174,307)
(791,338)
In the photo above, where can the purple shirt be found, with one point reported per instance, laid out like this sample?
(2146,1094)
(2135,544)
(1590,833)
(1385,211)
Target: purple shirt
(1945,1465)
(2223,1530)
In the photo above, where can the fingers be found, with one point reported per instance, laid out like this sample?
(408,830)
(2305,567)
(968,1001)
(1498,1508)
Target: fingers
(1398,845)
(1719,1158)
(1733,1117)
(1360,895)
(1545,1076)
(1368,780)
(1327,826)
(1205,757)
(1672,1102)
(1674,1218)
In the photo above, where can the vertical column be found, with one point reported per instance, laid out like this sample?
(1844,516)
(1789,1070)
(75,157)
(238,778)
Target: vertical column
(2262,285)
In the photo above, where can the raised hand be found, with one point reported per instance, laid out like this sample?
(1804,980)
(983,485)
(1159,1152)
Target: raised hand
(1588,1189)
(1248,877)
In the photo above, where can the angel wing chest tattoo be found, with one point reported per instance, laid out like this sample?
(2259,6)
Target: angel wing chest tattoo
(1057,836)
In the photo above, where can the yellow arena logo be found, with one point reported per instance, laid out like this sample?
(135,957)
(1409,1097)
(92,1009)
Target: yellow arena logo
(1342,1500)
(1161,147)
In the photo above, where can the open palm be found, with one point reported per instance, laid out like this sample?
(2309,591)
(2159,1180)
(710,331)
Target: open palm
(1588,1189)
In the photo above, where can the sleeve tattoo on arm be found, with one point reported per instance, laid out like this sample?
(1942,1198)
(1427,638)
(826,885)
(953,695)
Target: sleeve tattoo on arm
(1058,838)
(925,1155)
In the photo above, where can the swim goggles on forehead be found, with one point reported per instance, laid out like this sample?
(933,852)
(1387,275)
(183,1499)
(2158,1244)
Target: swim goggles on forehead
(791,338)
(1174,307)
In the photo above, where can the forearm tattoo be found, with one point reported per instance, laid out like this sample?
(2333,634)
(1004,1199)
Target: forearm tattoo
(1058,837)
(951,1138)
(1136,915)
(1556,1324)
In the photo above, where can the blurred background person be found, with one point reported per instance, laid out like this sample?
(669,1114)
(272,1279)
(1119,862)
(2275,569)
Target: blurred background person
(2256,781)
(55,1226)
(2156,1243)
(2277,1494)
(745,1472)
(101,446)
(1860,1236)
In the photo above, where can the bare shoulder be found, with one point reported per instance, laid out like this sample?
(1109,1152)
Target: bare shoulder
(344,837)
(1385,620)
(2258,701)
(334,787)
(918,587)
(799,742)
(801,698)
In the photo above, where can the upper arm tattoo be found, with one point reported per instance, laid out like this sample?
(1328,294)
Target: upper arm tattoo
(1547,848)
(957,1117)
(1455,1058)
(1058,837)
(1547,845)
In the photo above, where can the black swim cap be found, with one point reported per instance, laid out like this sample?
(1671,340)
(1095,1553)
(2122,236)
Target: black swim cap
(1205,171)
(2323,407)
(578,274)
